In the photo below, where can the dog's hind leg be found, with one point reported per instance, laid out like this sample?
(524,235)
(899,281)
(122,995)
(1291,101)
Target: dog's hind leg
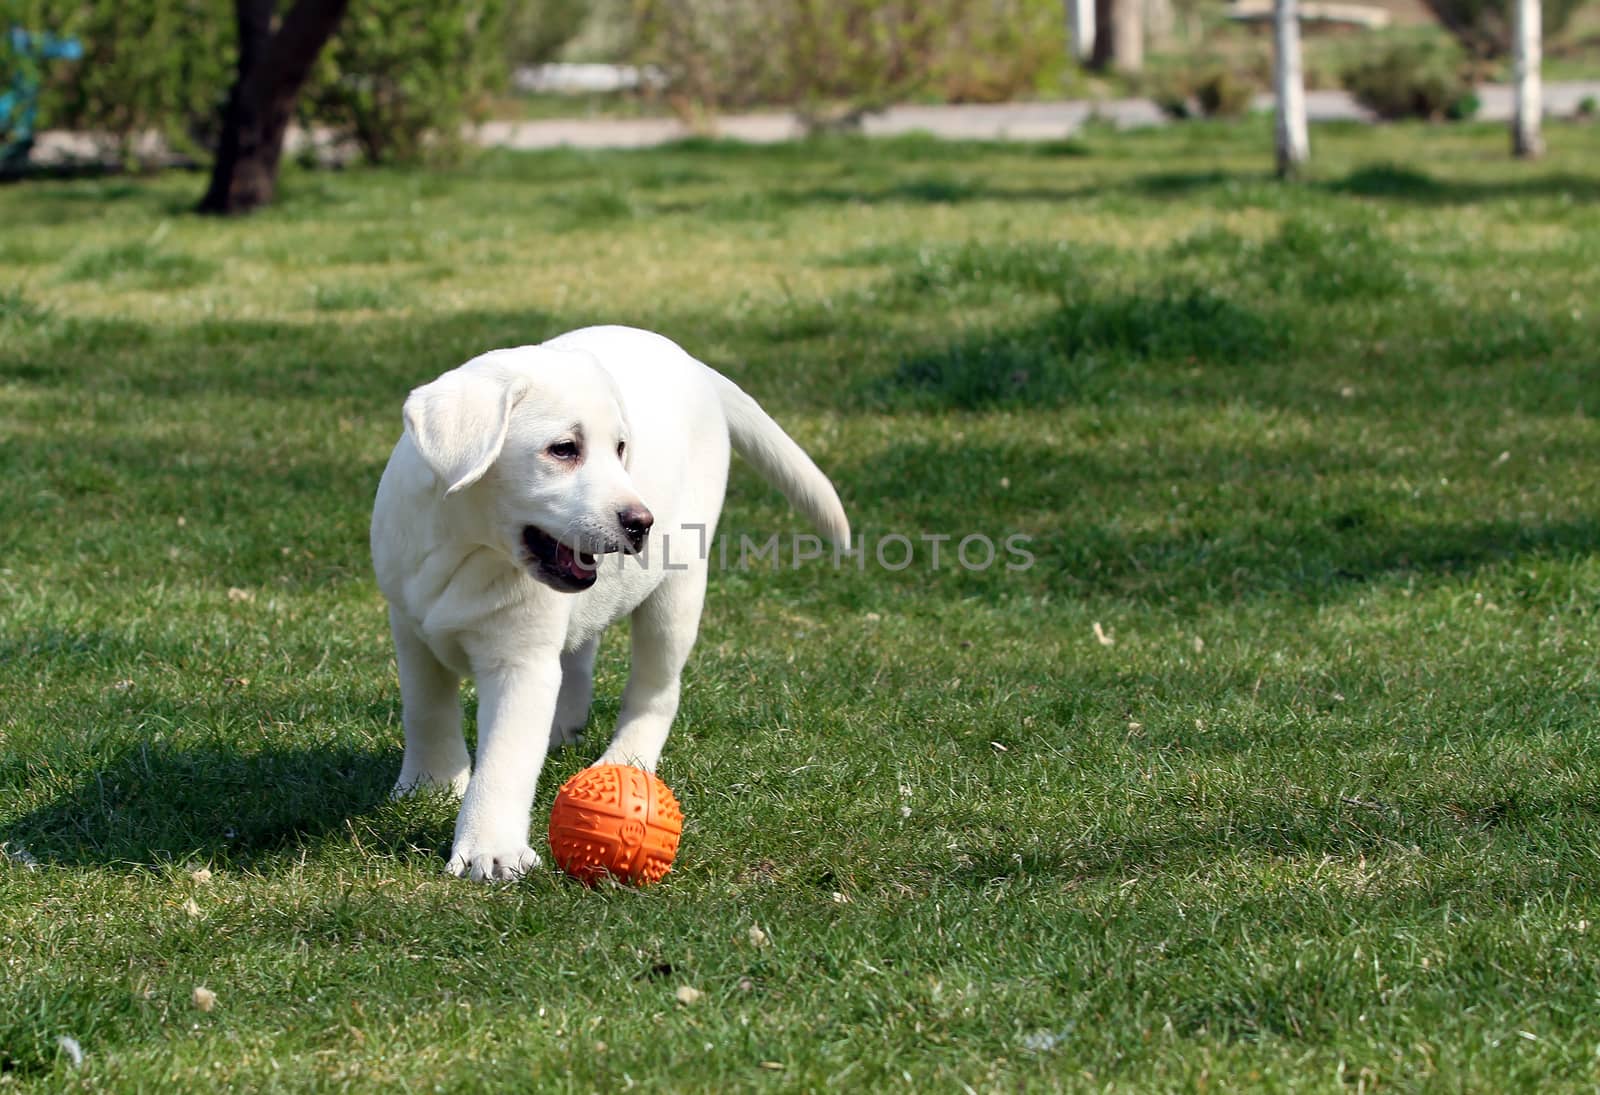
(663,633)
(436,753)
(577,691)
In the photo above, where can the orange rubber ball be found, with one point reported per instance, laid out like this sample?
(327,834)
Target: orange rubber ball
(616,820)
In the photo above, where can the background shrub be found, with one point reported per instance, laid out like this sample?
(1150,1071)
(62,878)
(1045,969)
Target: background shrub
(1000,50)
(834,60)
(158,67)
(1213,88)
(1210,88)
(537,30)
(1412,80)
(1224,93)
(401,79)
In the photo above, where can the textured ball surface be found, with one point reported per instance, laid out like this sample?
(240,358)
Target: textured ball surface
(617,820)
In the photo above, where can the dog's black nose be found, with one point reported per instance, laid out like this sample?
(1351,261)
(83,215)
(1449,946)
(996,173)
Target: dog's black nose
(635,522)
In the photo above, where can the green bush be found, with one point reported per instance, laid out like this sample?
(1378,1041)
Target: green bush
(834,60)
(399,78)
(1223,93)
(1212,88)
(402,79)
(1010,51)
(537,30)
(1412,80)
(158,67)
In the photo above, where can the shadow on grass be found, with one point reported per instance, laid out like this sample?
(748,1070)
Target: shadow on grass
(319,360)
(1389,182)
(164,753)
(1226,321)
(1407,184)
(1315,560)
(1395,183)
(1079,351)
(1281,525)
(1276,827)
(90,188)
(1184,184)
(154,804)
(276,517)
(1231,188)
(927,190)
(58,172)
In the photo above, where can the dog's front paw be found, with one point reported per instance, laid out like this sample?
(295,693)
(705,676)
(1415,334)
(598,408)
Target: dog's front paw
(491,865)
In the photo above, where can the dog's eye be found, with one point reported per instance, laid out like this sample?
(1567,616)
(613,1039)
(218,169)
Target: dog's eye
(621,445)
(564,450)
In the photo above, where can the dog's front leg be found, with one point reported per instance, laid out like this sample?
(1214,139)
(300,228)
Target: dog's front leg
(515,705)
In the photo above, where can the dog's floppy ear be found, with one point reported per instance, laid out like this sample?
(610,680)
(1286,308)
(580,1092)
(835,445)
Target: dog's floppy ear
(458,423)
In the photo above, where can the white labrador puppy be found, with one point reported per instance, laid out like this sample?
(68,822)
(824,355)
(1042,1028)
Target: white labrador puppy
(518,476)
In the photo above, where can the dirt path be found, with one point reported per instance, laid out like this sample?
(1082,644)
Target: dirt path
(1001,122)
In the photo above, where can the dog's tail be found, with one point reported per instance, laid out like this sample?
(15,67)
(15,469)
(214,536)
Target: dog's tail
(781,462)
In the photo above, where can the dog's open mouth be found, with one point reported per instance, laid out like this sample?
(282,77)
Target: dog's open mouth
(556,564)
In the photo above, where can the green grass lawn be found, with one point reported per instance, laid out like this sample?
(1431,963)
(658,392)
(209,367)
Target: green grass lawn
(1278,769)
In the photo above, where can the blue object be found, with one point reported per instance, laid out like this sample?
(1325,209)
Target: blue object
(24,54)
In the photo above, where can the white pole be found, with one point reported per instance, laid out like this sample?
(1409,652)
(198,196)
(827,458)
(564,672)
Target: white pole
(1080,28)
(1292,140)
(1527,142)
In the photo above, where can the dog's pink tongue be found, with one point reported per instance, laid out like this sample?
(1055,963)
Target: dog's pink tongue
(567,560)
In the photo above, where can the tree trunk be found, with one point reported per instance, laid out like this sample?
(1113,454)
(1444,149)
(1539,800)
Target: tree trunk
(1290,135)
(272,69)
(1527,140)
(1118,35)
(1080,29)
(1127,35)
(1100,52)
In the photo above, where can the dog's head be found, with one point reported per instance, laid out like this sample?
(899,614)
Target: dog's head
(537,439)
